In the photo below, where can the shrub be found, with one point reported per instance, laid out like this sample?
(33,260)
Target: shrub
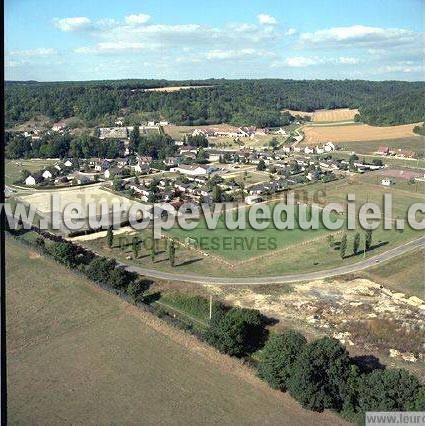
(65,253)
(278,357)
(236,332)
(319,376)
(99,269)
(390,390)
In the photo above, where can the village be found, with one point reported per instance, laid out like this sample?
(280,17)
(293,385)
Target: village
(204,173)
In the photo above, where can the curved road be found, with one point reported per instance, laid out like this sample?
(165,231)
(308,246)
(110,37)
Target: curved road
(308,276)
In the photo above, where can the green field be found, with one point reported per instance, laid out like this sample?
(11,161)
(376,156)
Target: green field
(390,161)
(413,143)
(14,168)
(79,355)
(406,273)
(241,244)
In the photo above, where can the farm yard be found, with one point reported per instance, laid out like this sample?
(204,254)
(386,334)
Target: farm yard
(67,340)
(356,133)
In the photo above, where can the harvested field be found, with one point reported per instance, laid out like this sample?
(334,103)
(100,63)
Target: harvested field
(79,355)
(354,133)
(341,114)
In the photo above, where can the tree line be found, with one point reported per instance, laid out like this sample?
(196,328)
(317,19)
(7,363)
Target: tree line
(56,145)
(237,102)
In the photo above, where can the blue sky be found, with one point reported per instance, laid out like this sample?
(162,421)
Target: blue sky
(88,40)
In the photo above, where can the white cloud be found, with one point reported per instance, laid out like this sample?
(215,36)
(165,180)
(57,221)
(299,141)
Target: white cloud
(114,47)
(301,61)
(290,31)
(230,54)
(402,68)
(72,24)
(138,19)
(348,60)
(360,36)
(34,52)
(307,61)
(264,19)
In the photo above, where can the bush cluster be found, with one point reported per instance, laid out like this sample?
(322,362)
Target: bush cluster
(321,375)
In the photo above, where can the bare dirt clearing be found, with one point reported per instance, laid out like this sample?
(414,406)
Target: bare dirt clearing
(42,201)
(352,133)
(347,310)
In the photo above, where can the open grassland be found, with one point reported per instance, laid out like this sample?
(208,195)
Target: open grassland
(79,355)
(241,244)
(14,168)
(405,273)
(401,180)
(407,163)
(366,191)
(356,133)
(414,143)
(340,114)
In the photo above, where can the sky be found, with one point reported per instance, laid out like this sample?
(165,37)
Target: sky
(186,39)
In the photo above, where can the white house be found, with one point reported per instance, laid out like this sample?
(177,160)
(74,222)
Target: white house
(386,182)
(329,146)
(252,199)
(46,174)
(30,180)
(282,132)
(193,169)
(308,150)
(57,127)
(68,163)
(143,165)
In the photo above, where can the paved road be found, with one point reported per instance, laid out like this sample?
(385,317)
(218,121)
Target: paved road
(308,276)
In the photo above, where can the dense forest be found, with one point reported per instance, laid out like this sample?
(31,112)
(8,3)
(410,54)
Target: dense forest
(237,102)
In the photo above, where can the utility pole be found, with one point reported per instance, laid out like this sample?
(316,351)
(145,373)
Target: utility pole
(210,306)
